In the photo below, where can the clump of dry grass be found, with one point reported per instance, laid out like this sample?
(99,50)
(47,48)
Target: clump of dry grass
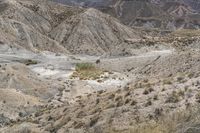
(173,97)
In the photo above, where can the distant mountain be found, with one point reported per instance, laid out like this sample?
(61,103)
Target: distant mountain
(164,14)
(194,4)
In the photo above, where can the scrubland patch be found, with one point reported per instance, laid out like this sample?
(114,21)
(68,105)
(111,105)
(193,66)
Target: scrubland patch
(87,71)
(186,33)
(177,122)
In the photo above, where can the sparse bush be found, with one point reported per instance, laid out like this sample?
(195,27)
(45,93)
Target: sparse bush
(127,94)
(79,124)
(120,103)
(158,112)
(133,102)
(99,81)
(93,121)
(81,114)
(180,79)
(143,84)
(147,91)
(167,82)
(148,103)
(151,89)
(185,120)
(97,101)
(147,85)
(119,91)
(30,62)
(96,110)
(100,92)
(197,96)
(145,80)
(127,88)
(98,61)
(181,93)
(111,96)
(127,101)
(110,105)
(173,98)
(186,88)
(191,75)
(186,33)
(155,97)
(118,98)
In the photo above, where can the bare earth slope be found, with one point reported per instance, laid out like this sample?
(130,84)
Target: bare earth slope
(164,14)
(94,33)
(58,73)
(22,92)
(166,104)
(43,25)
(23,27)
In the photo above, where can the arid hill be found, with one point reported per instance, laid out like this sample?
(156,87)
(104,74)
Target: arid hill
(74,69)
(164,14)
(43,25)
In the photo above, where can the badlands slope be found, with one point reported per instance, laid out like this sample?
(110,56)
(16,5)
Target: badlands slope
(39,26)
(146,84)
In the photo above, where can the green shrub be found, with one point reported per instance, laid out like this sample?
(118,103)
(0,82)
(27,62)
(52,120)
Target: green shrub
(30,62)
(85,71)
(84,66)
